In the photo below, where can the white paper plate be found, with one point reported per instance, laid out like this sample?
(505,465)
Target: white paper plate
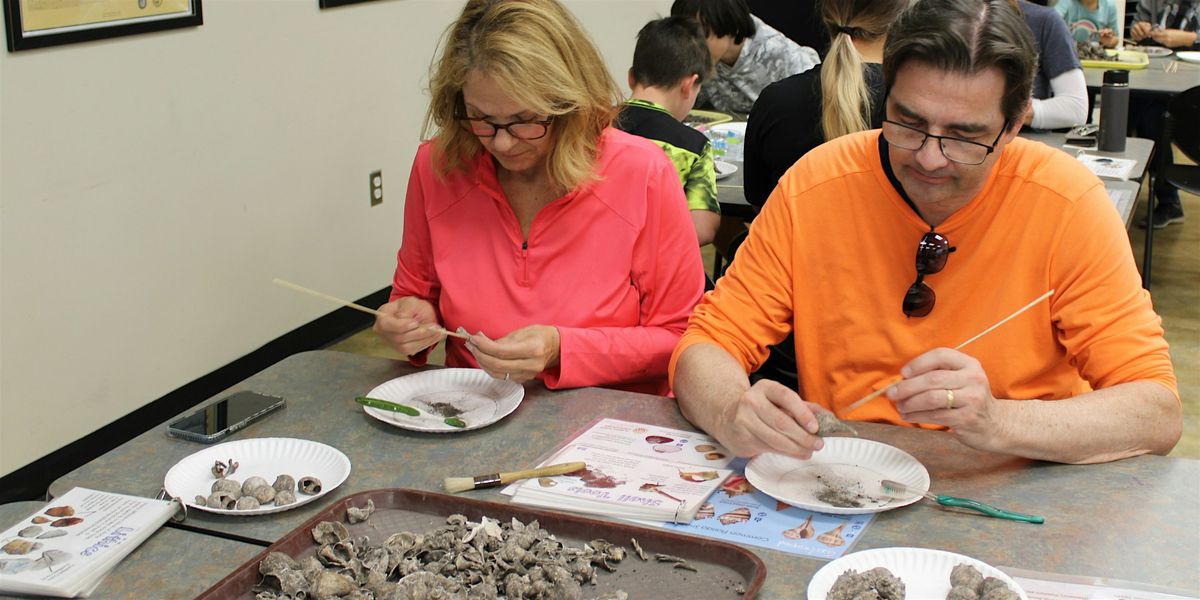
(852,466)
(265,457)
(1151,51)
(479,398)
(925,573)
(1192,56)
(738,127)
(724,169)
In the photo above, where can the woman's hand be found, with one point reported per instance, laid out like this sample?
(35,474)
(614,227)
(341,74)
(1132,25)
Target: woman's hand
(947,387)
(404,325)
(518,356)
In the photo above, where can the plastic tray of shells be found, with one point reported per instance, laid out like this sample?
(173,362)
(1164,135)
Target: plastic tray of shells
(628,561)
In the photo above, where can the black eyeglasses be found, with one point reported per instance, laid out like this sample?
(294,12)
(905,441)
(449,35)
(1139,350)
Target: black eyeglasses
(932,252)
(956,149)
(523,130)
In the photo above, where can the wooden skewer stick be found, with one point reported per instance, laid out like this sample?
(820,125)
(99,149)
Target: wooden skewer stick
(359,307)
(455,485)
(888,383)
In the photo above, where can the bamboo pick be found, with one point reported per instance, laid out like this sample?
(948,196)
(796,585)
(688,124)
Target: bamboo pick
(888,382)
(359,307)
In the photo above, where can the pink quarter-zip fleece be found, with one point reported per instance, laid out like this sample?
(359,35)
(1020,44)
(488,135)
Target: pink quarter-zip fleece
(613,264)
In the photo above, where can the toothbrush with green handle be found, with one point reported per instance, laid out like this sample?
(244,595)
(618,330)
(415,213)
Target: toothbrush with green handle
(894,488)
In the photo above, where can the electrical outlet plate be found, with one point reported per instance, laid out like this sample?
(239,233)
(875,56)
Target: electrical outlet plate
(376,188)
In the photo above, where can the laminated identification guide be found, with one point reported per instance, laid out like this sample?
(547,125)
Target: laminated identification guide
(634,471)
(66,548)
(740,513)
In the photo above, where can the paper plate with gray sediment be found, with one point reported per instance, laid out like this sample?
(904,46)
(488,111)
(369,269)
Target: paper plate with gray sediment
(925,572)
(469,395)
(843,478)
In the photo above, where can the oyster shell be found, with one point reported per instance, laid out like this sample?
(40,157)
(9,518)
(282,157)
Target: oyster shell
(330,532)
(222,500)
(221,469)
(247,503)
(263,494)
(310,485)
(251,484)
(232,487)
(284,482)
(358,515)
(284,497)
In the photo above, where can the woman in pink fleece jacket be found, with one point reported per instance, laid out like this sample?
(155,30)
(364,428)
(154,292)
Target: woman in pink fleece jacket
(564,246)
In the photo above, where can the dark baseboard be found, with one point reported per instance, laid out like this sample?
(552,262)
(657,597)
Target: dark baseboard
(31,481)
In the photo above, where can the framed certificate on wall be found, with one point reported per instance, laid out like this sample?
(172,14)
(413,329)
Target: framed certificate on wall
(39,23)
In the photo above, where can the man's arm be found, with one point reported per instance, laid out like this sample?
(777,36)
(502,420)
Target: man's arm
(947,387)
(716,396)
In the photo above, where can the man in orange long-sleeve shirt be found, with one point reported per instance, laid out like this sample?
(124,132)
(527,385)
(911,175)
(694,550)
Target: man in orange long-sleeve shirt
(997,221)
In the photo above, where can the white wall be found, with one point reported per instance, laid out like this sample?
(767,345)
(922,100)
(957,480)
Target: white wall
(151,187)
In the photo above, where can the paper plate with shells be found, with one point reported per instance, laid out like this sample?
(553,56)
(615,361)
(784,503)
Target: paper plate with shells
(471,396)
(842,478)
(926,573)
(268,475)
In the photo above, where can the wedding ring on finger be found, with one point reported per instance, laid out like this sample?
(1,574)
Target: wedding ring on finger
(949,399)
(507,376)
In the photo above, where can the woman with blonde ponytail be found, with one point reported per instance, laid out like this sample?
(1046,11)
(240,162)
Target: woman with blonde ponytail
(842,95)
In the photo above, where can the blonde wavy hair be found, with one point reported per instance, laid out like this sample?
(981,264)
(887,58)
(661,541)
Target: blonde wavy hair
(539,54)
(845,98)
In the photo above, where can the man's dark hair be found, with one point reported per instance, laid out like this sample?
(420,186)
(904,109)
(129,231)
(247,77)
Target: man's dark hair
(668,50)
(718,17)
(968,37)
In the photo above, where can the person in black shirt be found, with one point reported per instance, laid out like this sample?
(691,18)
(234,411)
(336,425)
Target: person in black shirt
(842,95)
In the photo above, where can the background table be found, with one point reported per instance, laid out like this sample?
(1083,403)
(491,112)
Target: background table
(1136,519)
(1153,80)
(171,563)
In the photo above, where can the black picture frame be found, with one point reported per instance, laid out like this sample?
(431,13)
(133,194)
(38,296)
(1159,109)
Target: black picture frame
(336,3)
(19,39)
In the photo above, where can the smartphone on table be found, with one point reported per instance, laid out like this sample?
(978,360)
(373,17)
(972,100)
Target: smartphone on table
(227,415)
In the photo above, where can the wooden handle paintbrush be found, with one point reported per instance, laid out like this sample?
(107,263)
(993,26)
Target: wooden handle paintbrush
(455,485)
(887,383)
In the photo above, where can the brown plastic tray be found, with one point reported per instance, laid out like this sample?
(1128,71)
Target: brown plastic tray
(723,568)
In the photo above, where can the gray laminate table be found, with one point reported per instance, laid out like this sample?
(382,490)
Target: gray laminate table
(171,563)
(1136,520)
(1154,80)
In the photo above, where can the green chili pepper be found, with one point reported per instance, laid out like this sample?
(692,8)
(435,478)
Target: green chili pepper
(454,422)
(386,405)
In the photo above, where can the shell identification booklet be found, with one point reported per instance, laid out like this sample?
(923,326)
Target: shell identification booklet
(66,548)
(634,471)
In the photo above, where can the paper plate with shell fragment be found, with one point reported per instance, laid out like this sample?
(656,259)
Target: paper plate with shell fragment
(842,478)
(265,458)
(471,396)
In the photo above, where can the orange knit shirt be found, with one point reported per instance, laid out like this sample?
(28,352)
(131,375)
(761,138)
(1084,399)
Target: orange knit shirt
(833,252)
